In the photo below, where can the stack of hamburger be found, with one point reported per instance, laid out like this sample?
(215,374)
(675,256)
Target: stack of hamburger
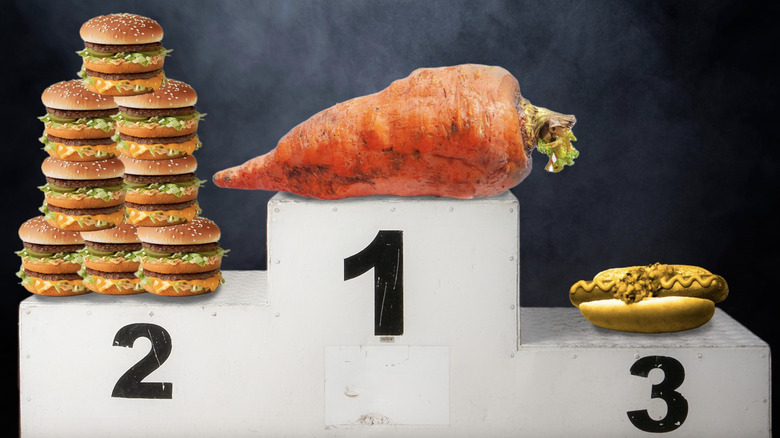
(120,212)
(157,134)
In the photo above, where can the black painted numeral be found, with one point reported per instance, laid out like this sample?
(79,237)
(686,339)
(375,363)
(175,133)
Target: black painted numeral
(130,385)
(385,254)
(676,404)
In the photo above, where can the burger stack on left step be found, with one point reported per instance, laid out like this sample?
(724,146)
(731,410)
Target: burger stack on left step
(120,211)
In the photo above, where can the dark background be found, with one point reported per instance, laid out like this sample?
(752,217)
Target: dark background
(675,101)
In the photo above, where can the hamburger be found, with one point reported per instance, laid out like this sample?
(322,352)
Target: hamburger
(161,192)
(123,54)
(181,260)
(162,124)
(657,298)
(83,195)
(110,262)
(78,124)
(50,259)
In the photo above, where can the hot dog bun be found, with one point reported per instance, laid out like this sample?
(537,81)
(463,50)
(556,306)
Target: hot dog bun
(651,315)
(656,298)
(679,280)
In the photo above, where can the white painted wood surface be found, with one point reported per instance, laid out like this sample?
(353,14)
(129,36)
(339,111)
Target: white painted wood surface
(236,372)
(292,351)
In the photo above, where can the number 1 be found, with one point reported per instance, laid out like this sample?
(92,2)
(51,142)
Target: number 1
(385,254)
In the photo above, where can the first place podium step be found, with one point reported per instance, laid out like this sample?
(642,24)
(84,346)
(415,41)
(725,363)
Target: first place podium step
(231,364)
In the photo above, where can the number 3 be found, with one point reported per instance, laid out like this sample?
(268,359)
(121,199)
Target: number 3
(677,406)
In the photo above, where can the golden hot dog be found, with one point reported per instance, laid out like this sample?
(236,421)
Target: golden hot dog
(657,298)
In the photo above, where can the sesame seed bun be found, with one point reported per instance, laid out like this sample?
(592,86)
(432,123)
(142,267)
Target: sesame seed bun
(173,94)
(171,166)
(121,29)
(195,232)
(40,232)
(81,170)
(122,233)
(73,96)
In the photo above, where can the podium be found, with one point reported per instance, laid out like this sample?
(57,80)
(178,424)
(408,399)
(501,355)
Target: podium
(378,316)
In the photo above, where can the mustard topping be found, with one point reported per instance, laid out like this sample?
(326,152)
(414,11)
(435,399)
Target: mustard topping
(643,282)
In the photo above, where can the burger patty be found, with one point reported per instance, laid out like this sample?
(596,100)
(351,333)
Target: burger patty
(113,247)
(212,246)
(77,183)
(121,76)
(52,277)
(77,114)
(151,112)
(195,276)
(52,248)
(157,140)
(84,211)
(154,207)
(116,48)
(161,179)
(80,141)
(110,275)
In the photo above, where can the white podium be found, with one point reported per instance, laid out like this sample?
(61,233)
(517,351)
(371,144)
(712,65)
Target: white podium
(378,317)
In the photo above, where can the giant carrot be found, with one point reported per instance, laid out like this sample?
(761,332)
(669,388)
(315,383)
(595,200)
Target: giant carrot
(462,131)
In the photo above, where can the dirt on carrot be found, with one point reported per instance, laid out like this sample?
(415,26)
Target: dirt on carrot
(463,131)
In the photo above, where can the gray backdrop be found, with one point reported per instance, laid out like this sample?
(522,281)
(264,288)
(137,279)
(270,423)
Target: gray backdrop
(675,103)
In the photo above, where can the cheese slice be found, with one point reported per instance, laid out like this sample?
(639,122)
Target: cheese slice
(135,216)
(61,220)
(182,287)
(159,150)
(102,85)
(63,151)
(61,287)
(100,284)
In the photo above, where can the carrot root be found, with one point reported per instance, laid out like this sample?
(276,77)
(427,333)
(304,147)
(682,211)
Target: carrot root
(463,131)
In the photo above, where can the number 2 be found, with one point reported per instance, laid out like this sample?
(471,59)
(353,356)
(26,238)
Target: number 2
(386,255)
(676,404)
(130,385)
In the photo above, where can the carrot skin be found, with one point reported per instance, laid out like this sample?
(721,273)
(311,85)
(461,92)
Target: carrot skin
(457,131)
